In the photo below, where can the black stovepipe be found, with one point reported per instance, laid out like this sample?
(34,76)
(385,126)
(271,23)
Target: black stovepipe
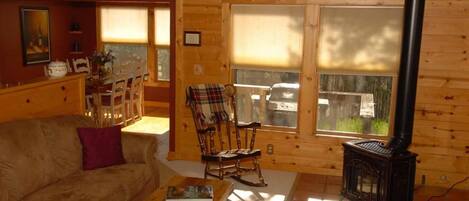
(408,75)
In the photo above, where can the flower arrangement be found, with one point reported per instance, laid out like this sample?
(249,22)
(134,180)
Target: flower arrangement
(100,59)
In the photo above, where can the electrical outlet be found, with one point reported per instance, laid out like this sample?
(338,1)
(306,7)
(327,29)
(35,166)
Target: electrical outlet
(270,149)
(198,69)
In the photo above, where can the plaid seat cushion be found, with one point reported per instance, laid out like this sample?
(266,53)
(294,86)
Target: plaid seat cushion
(208,104)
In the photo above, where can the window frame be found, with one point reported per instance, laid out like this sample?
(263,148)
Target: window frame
(152,59)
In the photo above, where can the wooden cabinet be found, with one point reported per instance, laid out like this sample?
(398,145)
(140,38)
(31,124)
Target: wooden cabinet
(43,97)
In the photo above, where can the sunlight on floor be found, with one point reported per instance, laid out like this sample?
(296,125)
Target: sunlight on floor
(149,125)
(276,197)
(245,195)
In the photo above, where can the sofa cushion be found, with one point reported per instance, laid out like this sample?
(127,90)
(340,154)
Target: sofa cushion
(116,183)
(62,139)
(102,147)
(25,162)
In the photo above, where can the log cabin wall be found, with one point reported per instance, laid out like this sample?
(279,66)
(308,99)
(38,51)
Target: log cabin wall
(61,15)
(441,132)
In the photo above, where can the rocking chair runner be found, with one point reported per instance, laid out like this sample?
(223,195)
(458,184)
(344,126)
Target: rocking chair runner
(212,106)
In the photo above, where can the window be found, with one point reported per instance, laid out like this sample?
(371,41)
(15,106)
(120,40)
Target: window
(162,39)
(357,62)
(267,53)
(126,32)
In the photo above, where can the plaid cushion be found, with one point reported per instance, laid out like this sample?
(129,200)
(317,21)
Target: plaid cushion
(208,103)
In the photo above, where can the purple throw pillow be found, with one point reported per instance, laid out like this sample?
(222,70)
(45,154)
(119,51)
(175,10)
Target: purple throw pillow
(101,147)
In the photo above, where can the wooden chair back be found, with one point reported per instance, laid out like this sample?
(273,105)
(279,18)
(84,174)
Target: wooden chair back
(119,87)
(219,136)
(81,65)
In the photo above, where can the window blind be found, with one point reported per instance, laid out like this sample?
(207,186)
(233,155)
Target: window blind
(360,40)
(267,36)
(124,25)
(162,26)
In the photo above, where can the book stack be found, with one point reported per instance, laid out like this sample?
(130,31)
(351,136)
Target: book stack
(190,193)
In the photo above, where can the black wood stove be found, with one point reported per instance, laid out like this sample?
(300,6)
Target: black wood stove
(374,171)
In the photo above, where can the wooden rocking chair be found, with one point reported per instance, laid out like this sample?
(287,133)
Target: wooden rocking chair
(213,107)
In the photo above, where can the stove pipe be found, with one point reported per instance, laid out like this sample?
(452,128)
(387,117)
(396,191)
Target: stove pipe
(408,75)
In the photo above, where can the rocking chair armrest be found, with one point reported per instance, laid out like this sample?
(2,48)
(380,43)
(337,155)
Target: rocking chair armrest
(250,125)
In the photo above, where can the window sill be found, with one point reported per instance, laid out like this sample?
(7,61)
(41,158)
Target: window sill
(279,129)
(350,136)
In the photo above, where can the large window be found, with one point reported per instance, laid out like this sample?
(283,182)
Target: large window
(267,53)
(357,62)
(127,31)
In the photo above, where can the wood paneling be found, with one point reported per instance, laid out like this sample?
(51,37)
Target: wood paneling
(441,131)
(157,94)
(43,97)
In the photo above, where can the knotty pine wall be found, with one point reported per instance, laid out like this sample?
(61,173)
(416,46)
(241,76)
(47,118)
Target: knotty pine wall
(441,132)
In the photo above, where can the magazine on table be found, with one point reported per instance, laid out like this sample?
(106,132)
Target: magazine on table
(190,193)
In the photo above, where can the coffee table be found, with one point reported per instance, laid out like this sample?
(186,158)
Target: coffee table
(221,189)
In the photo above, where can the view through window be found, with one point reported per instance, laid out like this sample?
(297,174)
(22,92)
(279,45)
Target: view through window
(267,97)
(356,104)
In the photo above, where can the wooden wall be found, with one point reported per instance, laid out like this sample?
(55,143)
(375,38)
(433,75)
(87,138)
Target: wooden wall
(441,132)
(61,13)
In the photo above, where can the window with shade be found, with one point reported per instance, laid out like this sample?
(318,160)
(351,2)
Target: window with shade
(128,32)
(357,64)
(124,31)
(162,39)
(266,58)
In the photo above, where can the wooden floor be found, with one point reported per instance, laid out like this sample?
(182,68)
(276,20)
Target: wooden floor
(311,187)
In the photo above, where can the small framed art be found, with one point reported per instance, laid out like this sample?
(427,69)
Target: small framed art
(192,38)
(35,35)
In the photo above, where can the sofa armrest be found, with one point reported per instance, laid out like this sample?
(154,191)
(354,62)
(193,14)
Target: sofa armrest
(141,148)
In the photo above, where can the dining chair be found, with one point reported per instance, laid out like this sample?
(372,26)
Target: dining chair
(112,103)
(81,65)
(134,97)
(69,68)
(89,105)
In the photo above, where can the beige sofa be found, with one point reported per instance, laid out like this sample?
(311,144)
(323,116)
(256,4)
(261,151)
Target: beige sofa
(41,160)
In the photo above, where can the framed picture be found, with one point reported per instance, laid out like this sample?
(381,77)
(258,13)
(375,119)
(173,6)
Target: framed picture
(192,38)
(35,35)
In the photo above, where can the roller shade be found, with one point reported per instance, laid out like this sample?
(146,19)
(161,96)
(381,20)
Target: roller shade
(124,25)
(360,40)
(267,36)
(162,26)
